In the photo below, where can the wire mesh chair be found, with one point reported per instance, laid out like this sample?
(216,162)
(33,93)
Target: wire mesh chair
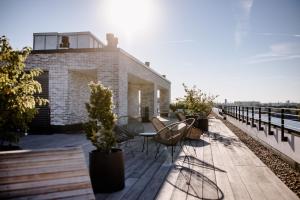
(195,131)
(127,128)
(157,124)
(169,135)
(187,135)
(180,116)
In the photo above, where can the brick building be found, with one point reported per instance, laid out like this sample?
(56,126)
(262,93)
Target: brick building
(71,60)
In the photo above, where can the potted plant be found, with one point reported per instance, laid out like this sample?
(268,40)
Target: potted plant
(18,94)
(106,161)
(199,105)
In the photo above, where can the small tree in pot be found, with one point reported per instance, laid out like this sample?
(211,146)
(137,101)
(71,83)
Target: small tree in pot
(198,104)
(106,162)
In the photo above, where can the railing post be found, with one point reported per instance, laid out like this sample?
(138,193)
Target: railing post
(253,125)
(243,116)
(247,110)
(239,113)
(259,120)
(270,132)
(236,112)
(283,138)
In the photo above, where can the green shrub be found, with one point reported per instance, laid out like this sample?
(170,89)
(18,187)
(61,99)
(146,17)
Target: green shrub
(178,104)
(17,90)
(197,102)
(99,128)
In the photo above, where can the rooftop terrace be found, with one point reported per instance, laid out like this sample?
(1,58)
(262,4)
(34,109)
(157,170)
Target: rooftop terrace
(219,166)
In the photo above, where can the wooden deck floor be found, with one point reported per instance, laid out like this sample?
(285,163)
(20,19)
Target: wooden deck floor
(217,166)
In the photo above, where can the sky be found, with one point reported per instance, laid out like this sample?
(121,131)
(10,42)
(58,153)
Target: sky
(241,50)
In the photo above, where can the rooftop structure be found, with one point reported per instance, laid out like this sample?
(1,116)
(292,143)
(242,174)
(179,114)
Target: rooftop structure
(71,40)
(71,60)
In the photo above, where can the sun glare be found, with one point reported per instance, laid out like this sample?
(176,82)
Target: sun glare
(130,16)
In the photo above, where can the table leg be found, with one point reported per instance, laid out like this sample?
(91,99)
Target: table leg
(147,145)
(143,144)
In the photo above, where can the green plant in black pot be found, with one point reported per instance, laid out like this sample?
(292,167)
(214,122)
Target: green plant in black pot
(198,104)
(106,161)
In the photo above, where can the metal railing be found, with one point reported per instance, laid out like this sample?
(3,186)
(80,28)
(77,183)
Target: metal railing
(285,119)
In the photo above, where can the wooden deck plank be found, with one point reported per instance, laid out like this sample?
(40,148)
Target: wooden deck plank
(166,190)
(158,179)
(278,185)
(225,190)
(60,195)
(142,182)
(210,190)
(181,187)
(140,163)
(196,186)
(120,194)
(184,186)
(58,179)
(237,186)
(250,179)
(41,177)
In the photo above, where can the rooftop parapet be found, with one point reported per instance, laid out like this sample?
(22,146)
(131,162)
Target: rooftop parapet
(70,40)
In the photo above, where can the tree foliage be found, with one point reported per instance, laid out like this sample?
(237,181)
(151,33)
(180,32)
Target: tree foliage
(99,128)
(17,90)
(178,104)
(196,101)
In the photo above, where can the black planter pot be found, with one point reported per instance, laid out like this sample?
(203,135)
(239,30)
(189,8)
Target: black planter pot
(107,171)
(201,123)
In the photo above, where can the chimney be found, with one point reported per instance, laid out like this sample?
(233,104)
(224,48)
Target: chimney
(112,41)
(147,64)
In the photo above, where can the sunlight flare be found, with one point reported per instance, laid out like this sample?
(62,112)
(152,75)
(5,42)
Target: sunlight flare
(130,16)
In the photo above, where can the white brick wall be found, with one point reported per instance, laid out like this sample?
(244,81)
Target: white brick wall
(70,72)
(78,95)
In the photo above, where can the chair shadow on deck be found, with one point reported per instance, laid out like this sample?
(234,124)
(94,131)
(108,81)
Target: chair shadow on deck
(195,181)
(227,141)
(191,176)
(191,160)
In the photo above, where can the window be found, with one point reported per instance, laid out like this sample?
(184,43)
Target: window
(64,42)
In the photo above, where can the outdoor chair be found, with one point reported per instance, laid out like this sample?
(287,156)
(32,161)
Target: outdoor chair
(157,124)
(189,123)
(195,132)
(188,133)
(180,116)
(170,135)
(127,128)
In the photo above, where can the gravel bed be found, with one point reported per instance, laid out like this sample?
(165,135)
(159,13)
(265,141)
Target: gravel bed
(282,169)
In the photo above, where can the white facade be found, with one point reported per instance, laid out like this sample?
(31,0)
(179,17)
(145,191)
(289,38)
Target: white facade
(134,84)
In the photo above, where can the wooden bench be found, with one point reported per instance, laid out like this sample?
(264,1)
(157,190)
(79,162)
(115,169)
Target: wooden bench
(59,173)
